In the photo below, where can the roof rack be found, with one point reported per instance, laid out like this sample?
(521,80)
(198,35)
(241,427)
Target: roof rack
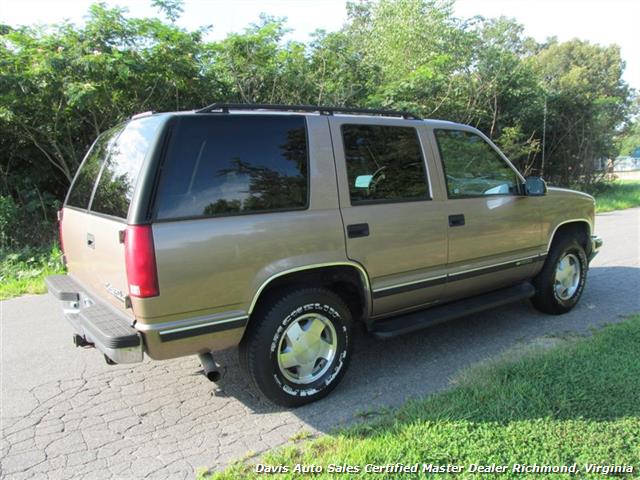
(322,110)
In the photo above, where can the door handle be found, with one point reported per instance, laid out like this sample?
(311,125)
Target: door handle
(456,220)
(358,230)
(91,240)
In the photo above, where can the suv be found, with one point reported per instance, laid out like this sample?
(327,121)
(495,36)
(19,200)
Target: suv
(277,229)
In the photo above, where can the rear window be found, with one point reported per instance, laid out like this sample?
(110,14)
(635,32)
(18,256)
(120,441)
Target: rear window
(384,164)
(82,186)
(122,166)
(229,165)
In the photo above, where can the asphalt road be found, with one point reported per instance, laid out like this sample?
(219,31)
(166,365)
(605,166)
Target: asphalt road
(66,414)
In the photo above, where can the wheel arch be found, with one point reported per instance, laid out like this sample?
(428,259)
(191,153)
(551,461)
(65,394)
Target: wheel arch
(580,227)
(348,280)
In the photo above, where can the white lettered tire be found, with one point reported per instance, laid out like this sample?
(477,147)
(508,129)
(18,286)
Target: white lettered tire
(560,283)
(297,348)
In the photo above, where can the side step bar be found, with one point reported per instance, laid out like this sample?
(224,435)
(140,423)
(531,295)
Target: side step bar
(412,322)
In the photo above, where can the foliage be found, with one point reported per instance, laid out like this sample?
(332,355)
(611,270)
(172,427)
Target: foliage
(23,271)
(61,85)
(629,141)
(583,87)
(29,220)
(576,403)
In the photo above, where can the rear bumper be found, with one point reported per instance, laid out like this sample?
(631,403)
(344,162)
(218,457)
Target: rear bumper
(596,244)
(96,322)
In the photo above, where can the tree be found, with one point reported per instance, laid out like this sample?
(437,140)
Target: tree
(171,8)
(587,100)
(62,85)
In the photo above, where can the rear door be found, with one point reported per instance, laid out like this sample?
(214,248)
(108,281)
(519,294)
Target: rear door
(393,227)
(97,207)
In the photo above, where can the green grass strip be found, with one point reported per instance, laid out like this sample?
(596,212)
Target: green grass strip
(578,402)
(617,195)
(24,271)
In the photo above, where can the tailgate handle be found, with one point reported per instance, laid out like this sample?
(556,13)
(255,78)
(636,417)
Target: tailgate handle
(456,220)
(358,230)
(91,240)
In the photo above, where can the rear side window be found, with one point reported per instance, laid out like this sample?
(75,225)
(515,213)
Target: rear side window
(122,165)
(384,164)
(82,187)
(229,165)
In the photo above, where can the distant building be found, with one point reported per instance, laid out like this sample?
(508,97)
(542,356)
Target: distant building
(620,164)
(626,164)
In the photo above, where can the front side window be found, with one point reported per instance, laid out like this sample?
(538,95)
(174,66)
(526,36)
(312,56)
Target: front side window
(122,166)
(82,187)
(231,164)
(472,167)
(384,164)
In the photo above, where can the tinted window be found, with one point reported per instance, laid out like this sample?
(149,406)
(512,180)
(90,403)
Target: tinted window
(122,165)
(384,163)
(228,164)
(472,167)
(82,187)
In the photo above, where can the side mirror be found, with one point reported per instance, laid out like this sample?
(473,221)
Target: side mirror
(535,187)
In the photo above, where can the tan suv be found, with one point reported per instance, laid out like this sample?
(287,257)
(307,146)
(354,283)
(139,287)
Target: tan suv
(277,229)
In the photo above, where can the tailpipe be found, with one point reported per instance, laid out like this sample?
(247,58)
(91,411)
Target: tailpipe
(211,368)
(79,341)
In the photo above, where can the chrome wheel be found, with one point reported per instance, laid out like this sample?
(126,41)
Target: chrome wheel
(307,348)
(567,278)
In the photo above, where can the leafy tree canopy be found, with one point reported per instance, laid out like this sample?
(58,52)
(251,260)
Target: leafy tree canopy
(61,85)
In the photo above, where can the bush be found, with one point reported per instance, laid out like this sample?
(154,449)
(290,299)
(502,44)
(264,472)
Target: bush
(28,221)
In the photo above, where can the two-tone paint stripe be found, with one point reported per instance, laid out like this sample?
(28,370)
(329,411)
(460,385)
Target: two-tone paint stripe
(454,277)
(202,328)
(215,326)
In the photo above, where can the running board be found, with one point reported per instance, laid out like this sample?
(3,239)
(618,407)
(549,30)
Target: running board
(425,318)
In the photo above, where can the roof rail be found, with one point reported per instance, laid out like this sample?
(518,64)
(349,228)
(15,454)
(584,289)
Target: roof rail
(142,115)
(322,110)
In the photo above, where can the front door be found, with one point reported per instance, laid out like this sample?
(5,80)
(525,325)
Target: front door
(392,226)
(494,235)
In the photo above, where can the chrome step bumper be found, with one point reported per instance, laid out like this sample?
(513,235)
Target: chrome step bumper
(96,322)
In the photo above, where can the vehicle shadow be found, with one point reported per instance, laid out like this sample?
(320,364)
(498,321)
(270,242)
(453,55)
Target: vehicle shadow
(387,373)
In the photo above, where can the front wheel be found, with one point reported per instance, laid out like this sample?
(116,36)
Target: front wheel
(298,349)
(561,281)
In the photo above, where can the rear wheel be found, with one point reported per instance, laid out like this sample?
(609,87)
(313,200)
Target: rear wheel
(561,281)
(298,349)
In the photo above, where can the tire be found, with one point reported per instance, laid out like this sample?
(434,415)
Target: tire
(299,346)
(561,281)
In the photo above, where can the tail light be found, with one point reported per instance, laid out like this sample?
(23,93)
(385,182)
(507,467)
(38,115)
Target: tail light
(60,215)
(140,260)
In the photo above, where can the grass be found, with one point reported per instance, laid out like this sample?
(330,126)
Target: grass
(617,195)
(23,271)
(576,403)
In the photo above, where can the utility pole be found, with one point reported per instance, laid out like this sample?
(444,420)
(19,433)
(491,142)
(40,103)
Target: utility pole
(544,134)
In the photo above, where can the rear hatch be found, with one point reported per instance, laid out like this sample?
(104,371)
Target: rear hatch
(94,216)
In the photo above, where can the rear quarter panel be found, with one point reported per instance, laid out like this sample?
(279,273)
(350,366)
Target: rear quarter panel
(212,265)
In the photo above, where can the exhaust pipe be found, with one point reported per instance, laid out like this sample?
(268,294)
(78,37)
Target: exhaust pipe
(79,341)
(210,367)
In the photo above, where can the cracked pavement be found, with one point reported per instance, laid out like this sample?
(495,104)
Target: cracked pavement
(66,414)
